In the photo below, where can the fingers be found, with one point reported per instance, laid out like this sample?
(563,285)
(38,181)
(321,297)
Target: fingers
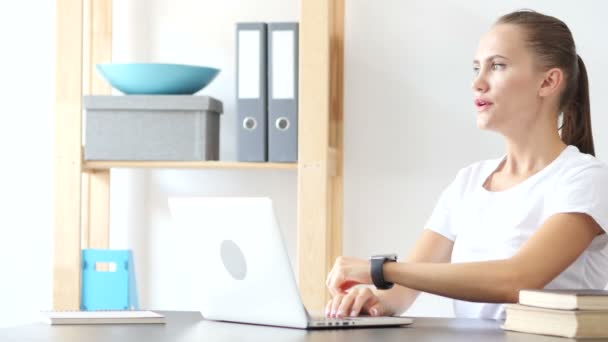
(349,301)
(345,306)
(364,300)
(339,305)
(376,310)
(354,303)
(337,300)
(374,307)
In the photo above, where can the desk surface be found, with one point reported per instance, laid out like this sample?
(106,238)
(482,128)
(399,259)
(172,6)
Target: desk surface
(189,326)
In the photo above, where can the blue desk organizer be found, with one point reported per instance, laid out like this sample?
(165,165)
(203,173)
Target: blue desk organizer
(114,289)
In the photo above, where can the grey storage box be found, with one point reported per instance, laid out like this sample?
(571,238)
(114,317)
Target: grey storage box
(152,127)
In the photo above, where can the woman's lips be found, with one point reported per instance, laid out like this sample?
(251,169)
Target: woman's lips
(482,105)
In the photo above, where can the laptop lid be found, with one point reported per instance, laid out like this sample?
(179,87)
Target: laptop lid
(248,277)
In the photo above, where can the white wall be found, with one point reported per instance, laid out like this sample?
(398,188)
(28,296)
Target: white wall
(27,65)
(409,126)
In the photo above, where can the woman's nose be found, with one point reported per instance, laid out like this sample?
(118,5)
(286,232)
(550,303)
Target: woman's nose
(479,83)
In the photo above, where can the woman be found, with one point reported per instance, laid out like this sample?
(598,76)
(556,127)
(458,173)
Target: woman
(535,218)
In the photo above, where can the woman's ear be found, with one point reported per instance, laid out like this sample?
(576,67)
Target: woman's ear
(552,82)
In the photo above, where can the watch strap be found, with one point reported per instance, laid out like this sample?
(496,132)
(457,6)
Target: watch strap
(377,272)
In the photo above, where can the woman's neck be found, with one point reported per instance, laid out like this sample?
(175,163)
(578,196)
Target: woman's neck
(531,153)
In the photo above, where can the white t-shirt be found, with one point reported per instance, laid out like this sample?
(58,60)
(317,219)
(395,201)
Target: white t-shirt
(486,225)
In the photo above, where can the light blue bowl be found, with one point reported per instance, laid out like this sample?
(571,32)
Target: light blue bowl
(157,78)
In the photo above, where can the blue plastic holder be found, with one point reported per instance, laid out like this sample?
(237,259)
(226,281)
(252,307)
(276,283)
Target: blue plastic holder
(108,280)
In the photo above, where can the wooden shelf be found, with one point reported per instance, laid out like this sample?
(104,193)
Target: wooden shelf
(82,188)
(110,164)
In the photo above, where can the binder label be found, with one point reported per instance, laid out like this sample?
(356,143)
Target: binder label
(283,64)
(249,64)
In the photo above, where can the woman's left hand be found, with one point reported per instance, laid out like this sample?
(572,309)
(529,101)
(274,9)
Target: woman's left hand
(346,273)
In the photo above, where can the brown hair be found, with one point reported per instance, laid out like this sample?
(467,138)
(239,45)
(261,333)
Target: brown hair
(551,40)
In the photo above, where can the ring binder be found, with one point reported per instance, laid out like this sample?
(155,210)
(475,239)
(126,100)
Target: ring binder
(251,92)
(283,92)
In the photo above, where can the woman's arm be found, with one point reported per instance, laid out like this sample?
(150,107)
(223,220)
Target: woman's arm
(430,247)
(556,245)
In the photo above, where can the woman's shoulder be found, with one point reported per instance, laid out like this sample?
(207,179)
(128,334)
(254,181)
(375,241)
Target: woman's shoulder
(576,164)
(578,171)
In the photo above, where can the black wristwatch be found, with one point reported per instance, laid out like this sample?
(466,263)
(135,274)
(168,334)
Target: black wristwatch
(377,262)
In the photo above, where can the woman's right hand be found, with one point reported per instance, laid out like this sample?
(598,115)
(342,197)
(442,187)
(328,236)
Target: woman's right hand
(356,301)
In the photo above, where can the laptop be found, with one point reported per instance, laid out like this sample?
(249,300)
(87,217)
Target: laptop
(248,275)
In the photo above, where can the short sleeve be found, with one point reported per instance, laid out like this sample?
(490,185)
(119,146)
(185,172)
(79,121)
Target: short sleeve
(440,220)
(585,191)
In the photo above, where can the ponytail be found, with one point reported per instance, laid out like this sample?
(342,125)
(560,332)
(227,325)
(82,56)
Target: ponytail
(576,124)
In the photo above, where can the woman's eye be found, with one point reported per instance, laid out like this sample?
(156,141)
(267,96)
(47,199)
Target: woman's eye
(498,66)
(476,70)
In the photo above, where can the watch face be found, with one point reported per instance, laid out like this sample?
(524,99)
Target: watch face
(385,257)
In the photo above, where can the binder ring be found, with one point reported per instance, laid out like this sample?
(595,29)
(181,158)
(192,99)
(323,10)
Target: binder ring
(282,123)
(249,123)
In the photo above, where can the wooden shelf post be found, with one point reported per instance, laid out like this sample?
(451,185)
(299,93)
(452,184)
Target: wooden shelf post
(320,146)
(67,159)
(96,183)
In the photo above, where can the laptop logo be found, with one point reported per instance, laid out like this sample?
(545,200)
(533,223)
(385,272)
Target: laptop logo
(233,259)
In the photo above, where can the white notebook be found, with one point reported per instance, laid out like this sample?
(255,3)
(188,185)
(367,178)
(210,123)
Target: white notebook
(102,317)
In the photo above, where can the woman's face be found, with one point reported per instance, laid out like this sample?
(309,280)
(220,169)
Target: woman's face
(507,82)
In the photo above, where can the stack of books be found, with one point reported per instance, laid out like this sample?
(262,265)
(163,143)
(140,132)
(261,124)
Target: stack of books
(568,313)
